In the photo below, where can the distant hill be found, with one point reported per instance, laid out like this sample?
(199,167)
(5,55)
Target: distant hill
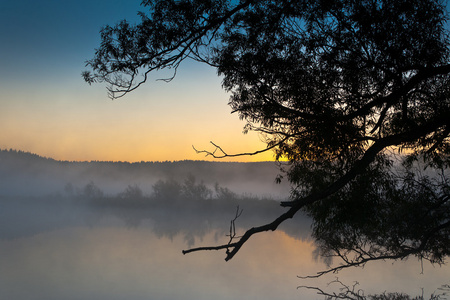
(23,173)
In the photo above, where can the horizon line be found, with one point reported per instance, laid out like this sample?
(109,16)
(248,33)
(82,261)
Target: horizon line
(217,160)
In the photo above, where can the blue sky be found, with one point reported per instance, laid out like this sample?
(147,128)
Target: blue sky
(46,108)
(50,37)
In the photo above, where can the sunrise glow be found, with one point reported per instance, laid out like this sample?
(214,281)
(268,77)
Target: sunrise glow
(47,108)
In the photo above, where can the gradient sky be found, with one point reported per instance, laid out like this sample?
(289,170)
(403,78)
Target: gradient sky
(46,108)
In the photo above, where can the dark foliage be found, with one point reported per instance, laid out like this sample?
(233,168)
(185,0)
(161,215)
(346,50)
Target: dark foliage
(333,86)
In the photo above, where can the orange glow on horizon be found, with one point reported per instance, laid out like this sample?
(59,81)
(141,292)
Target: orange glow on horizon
(159,122)
(121,147)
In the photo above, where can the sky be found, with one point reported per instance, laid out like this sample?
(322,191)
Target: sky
(46,108)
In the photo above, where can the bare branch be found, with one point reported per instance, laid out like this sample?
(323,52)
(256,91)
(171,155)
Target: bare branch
(224,154)
(209,248)
(254,230)
(232,236)
(345,291)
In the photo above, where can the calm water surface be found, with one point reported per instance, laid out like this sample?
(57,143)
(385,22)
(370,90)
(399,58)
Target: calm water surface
(56,252)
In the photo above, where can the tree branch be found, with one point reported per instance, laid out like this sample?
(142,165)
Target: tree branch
(224,154)
(296,205)
(170,57)
(345,291)
(232,236)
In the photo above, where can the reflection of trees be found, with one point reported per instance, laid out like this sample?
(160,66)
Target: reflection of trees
(385,215)
(188,207)
(352,292)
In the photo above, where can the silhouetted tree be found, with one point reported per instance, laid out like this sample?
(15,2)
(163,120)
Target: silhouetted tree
(334,87)
(91,191)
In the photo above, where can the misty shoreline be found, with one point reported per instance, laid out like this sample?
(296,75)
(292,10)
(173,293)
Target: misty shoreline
(23,173)
(189,209)
(190,198)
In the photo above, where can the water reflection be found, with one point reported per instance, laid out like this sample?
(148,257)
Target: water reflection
(119,263)
(101,248)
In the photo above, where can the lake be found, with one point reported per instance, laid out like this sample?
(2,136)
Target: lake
(59,247)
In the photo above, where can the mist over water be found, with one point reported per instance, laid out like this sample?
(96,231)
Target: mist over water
(28,174)
(116,231)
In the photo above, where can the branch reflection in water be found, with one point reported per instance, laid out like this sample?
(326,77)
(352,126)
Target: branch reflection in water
(92,246)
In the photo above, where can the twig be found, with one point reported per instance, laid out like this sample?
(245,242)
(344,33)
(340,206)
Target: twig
(219,149)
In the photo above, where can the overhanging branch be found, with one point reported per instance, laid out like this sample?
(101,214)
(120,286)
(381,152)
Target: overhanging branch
(296,205)
(224,154)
